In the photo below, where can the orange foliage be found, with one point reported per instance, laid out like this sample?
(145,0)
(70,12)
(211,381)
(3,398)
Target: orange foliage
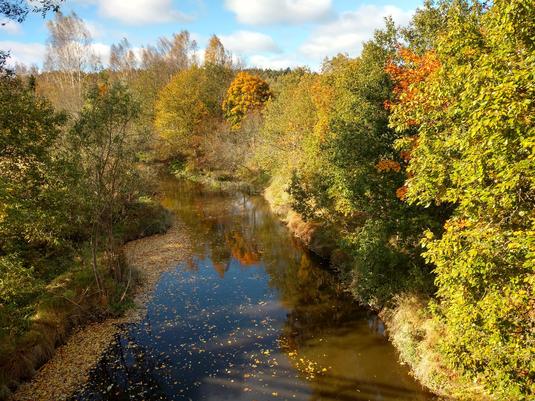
(407,74)
(401,192)
(245,94)
(388,165)
(102,89)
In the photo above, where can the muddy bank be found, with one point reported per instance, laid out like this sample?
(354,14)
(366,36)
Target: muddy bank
(68,368)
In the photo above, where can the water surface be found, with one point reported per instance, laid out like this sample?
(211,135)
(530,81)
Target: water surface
(251,316)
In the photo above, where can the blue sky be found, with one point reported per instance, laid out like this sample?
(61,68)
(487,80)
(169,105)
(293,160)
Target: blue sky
(263,33)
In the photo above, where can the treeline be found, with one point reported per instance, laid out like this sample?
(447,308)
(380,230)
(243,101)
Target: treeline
(415,158)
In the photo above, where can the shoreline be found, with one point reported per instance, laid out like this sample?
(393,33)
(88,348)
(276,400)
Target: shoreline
(409,327)
(67,371)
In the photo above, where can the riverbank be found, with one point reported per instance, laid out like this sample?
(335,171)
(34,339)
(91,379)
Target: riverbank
(408,321)
(68,368)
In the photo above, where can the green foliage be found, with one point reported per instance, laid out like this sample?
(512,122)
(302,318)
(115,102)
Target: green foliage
(358,170)
(34,173)
(295,124)
(107,141)
(18,288)
(17,283)
(475,151)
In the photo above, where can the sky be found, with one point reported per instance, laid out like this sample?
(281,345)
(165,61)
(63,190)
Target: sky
(262,33)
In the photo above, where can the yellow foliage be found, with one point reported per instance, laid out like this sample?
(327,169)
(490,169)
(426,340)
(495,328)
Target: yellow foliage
(180,108)
(245,94)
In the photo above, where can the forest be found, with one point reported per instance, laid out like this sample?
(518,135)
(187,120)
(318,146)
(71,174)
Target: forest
(414,161)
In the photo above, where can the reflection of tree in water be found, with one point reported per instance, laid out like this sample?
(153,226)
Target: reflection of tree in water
(244,229)
(215,220)
(313,298)
(244,250)
(126,371)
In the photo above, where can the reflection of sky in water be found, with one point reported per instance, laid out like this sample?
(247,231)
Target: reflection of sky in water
(252,317)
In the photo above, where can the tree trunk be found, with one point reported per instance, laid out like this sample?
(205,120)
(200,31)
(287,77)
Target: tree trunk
(94,249)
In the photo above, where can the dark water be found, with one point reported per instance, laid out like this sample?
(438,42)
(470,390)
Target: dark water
(252,316)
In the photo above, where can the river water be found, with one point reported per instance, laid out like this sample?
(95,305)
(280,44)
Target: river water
(251,316)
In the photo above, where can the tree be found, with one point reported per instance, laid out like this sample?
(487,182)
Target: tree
(216,54)
(69,57)
(475,130)
(34,175)
(122,58)
(188,109)
(107,141)
(169,56)
(181,109)
(288,138)
(158,64)
(247,93)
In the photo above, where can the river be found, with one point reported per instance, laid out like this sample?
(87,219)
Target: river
(251,316)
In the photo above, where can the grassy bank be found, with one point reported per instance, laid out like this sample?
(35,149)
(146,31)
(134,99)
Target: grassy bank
(61,294)
(217,180)
(416,336)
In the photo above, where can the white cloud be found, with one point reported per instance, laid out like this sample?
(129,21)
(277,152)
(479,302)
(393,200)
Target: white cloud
(10,27)
(349,30)
(95,29)
(263,12)
(139,12)
(102,51)
(244,42)
(27,53)
(273,62)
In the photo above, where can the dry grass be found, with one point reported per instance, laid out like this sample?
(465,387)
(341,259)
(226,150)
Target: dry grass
(416,335)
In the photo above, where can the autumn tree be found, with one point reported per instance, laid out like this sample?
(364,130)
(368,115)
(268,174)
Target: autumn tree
(106,140)
(188,109)
(216,53)
(122,58)
(247,93)
(169,56)
(69,57)
(157,65)
(287,139)
(473,116)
